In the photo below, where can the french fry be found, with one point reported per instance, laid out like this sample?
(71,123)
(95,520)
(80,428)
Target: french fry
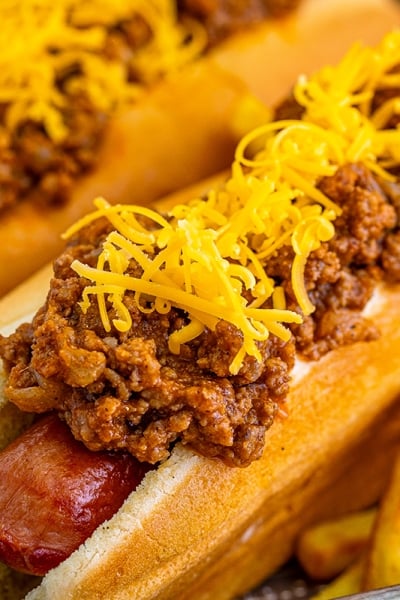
(348,582)
(328,548)
(383,557)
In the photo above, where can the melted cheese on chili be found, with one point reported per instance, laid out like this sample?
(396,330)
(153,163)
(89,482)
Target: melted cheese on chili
(43,39)
(208,257)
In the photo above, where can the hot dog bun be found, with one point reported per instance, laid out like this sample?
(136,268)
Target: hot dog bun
(196,528)
(186,127)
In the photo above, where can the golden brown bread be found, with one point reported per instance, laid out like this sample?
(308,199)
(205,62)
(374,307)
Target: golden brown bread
(316,35)
(186,127)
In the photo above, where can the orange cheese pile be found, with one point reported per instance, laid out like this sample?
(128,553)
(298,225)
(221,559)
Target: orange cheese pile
(41,39)
(204,255)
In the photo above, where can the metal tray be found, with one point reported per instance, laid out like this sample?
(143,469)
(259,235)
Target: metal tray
(289,583)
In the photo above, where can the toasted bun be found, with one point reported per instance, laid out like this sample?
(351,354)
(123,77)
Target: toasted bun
(196,528)
(186,128)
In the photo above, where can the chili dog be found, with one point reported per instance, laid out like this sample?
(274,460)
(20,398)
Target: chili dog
(165,130)
(246,343)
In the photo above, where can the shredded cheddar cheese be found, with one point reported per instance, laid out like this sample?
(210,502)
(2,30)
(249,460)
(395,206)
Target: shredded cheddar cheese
(208,257)
(41,40)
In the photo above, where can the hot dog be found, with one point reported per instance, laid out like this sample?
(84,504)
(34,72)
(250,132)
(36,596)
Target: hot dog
(176,130)
(108,480)
(246,343)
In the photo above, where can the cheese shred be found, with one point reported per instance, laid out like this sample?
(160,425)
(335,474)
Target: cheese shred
(209,257)
(51,49)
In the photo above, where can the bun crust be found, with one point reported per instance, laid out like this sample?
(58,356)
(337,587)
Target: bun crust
(185,128)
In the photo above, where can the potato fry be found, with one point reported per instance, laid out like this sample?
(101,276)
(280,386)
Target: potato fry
(348,582)
(383,557)
(328,548)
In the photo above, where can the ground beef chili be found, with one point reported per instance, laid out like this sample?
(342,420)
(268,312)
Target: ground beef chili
(341,275)
(32,163)
(127,391)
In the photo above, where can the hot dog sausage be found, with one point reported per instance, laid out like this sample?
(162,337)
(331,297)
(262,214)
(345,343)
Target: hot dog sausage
(45,523)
